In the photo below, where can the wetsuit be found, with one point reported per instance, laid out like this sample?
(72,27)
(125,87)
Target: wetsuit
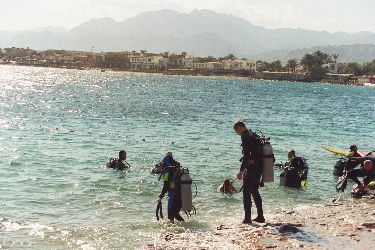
(252,167)
(117,164)
(354,173)
(296,172)
(172,185)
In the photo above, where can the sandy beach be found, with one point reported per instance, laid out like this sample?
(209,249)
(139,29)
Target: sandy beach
(343,224)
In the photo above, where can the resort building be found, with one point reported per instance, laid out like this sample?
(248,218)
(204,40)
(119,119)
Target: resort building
(239,64)
(180,61)
(208,65)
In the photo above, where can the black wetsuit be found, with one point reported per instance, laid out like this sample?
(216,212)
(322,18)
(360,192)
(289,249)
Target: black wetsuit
(117,164)
(354,173)
(252,165)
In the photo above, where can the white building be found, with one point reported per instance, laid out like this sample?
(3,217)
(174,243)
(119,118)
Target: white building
(180,61)
(151,62)
(239,64)
(136,60)
(208,65)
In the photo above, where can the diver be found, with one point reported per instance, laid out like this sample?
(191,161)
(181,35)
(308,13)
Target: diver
(354,151)
(294,171)
(118,163)
(367,171)
(164,163)
(172,184)
(227,187)
(250,171)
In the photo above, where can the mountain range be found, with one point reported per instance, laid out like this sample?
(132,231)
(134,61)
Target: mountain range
(199,33)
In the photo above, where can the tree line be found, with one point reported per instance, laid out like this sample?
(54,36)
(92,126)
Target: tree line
(312,64)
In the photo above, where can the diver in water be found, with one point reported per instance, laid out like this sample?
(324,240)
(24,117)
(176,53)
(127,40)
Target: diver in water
(354,151)
(227,187)
(172,185)
(164,163)
(120,162)
(295,171)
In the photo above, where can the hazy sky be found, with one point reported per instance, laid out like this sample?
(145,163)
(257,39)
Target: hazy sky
(330,15)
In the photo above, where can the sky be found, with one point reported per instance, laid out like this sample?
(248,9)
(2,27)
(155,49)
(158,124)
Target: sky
(330,15)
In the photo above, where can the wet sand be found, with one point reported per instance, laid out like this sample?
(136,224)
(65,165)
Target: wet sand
(344,224)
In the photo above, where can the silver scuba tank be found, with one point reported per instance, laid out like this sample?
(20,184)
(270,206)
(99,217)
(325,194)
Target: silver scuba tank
(267,163)
(186,192)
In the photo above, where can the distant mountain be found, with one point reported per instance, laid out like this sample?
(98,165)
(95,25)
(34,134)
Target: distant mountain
(52,29)
(200,33)
(347,53)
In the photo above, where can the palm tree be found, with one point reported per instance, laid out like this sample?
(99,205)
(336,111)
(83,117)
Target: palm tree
(292,64)
(313,64)
(335,56)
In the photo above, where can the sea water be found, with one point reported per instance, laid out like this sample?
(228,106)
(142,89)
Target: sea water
(59,127)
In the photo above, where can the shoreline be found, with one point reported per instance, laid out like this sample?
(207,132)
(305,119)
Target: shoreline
(193,74)
(348,224)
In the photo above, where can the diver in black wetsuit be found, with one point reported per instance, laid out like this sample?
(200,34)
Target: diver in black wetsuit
(250,171)
(119,163)
(367,171)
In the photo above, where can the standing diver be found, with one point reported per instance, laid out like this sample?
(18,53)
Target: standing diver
(172,185)
(250,171)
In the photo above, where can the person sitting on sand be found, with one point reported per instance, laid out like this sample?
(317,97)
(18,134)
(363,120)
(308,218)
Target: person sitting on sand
(120,162)
(227,187)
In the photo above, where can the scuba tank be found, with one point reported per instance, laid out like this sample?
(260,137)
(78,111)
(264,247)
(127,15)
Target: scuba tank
(268,159)
(339,166)
(283,178)
(186,192)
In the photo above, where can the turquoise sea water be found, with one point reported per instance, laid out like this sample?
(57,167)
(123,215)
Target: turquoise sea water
(59,127)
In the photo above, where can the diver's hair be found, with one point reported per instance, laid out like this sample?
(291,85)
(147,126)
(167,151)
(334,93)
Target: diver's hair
(352,147)
(367,162)
(121,152)
(292,152)
(238,124)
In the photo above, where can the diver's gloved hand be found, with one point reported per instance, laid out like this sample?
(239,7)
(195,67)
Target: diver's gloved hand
(261,184)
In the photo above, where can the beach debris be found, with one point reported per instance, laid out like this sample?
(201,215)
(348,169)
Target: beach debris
(168,237)
(290,212)
(288,228)
(369,224)
(221,227)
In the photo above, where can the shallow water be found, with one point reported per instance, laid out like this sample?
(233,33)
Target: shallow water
(59,127)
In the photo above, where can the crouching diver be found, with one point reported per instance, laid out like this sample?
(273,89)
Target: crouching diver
(120,162)
(367,171)
(172,185)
